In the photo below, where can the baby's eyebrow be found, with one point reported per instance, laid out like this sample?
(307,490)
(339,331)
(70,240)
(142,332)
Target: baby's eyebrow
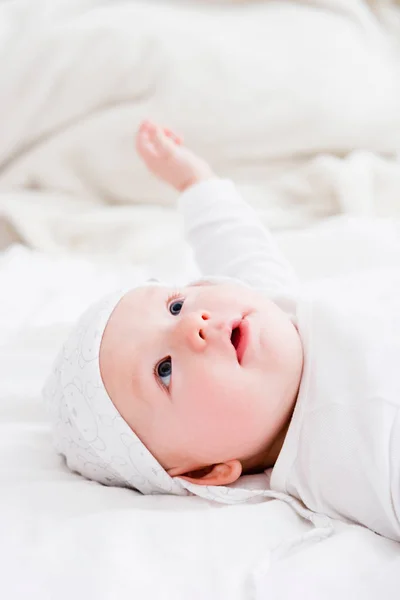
(201,282)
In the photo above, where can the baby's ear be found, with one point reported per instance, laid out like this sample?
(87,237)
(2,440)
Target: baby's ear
(220,474)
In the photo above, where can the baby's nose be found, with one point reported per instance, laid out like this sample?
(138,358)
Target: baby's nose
(191,329)
(198,328)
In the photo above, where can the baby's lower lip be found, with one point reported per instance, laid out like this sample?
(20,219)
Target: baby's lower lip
(240,337)
(243,340)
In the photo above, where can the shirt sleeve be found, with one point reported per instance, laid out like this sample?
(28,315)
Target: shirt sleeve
(229,240)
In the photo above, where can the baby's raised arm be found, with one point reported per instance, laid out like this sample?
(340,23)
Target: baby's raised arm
(225,233)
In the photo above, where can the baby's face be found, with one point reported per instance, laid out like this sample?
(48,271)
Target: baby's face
(203,375)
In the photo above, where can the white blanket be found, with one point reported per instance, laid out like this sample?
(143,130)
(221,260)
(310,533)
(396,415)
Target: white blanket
(63,537)
(297,101)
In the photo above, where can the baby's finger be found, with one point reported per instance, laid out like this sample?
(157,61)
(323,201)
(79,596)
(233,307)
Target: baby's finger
(144,145)
(163,144)
(145,125)
(173,136)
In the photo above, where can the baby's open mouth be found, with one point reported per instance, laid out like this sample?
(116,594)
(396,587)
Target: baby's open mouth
(239,338)
(235,337)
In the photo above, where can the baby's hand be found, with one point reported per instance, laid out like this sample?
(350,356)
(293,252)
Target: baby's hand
(165,156)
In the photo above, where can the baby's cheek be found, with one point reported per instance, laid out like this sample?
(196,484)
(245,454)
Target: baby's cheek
(223,427)
(217,411)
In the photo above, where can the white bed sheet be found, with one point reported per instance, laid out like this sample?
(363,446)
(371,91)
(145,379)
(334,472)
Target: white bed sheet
(64,537)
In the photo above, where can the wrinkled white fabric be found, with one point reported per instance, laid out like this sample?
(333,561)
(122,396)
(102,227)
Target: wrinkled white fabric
(302,113)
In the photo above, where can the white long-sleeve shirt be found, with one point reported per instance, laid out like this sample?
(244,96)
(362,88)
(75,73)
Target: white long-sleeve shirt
(341,455)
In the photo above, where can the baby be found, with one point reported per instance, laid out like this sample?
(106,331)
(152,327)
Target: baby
(170,391)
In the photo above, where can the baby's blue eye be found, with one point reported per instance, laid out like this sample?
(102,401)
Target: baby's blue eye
(164,371)
(175,307)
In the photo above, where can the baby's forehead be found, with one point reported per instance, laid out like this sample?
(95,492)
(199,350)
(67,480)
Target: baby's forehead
(154,288)
(140,298)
